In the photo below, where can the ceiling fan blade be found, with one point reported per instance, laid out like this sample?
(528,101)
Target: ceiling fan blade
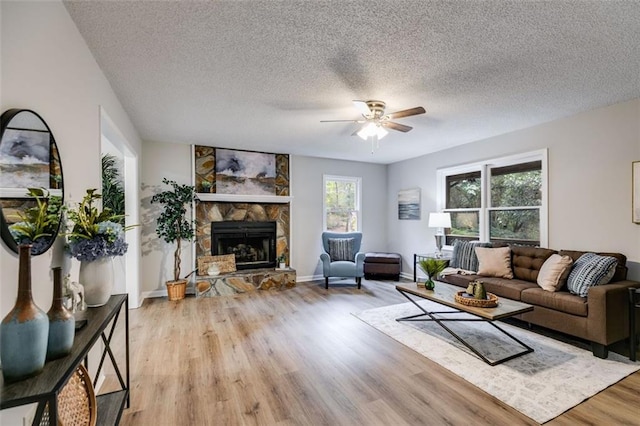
(406,113)
(363,108)
(396,126)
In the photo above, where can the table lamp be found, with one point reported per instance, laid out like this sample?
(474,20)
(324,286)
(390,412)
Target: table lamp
(440,221)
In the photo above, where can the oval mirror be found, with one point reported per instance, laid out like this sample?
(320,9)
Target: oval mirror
(31,184)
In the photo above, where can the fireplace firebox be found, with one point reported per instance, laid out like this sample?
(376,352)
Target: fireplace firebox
(252,243)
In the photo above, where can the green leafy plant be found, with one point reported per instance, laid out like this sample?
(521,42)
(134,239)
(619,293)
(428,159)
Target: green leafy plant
(206,186)
(112,187)
(173,225)
(282,258)
(432,267)
(95,234)
(39,223)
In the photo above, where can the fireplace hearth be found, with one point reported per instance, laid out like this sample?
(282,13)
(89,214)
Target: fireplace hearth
(252,243)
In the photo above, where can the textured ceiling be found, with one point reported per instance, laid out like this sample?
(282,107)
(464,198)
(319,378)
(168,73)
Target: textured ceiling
(260,75)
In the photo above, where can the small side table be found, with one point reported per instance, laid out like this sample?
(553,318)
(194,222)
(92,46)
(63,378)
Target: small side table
(634,305)
(418,257)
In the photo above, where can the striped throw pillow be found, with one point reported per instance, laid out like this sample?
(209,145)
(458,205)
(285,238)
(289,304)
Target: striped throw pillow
(464,254)
(590,270)
(341,249)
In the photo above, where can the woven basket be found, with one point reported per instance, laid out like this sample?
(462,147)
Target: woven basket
(176,289)
(76,402)
(490,302)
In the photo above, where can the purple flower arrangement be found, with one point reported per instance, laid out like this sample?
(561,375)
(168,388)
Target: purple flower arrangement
(107,241)
(94,234)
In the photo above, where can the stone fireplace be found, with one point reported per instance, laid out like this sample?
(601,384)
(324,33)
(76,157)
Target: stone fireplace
(255,228)
(209,213)
(252,243)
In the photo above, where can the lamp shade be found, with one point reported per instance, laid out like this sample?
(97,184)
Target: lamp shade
(439,220)
(371,130)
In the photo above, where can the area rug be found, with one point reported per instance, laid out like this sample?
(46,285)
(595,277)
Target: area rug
(542,384)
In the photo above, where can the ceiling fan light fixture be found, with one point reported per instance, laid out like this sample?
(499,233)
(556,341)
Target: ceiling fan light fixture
(371,130)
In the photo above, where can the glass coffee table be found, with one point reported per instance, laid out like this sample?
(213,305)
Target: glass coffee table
(444,294)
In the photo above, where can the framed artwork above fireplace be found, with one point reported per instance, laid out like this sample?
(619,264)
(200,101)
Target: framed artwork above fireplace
(245,172)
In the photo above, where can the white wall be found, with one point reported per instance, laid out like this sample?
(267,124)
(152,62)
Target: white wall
(590,157)
(306,210)
(161,160)
(52,72)
(47,67)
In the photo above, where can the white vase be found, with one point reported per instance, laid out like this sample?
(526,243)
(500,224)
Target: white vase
(97,278)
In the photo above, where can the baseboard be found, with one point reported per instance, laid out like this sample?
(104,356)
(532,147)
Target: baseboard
(406,275)
(307,278)
(160,293)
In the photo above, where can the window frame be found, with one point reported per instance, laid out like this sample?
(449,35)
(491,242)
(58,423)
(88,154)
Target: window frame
(484,167)
(358,198)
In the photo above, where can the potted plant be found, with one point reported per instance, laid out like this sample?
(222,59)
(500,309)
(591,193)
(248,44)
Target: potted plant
(206,186)
(282,261)
(432,267)
(95,238)
(38,224)
(173,227)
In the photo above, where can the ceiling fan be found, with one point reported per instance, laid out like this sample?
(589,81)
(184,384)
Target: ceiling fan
(376,121)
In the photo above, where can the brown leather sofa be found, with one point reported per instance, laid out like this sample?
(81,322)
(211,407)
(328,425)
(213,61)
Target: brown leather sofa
(601,317)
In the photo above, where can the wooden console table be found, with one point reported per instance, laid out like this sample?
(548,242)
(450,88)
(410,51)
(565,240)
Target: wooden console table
(45,387)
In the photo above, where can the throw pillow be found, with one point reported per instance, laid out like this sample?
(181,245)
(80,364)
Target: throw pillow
(494,262)
(554,271)
(590,270)
(341,249)
(464,255)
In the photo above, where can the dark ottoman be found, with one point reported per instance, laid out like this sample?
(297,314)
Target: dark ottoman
(382,265)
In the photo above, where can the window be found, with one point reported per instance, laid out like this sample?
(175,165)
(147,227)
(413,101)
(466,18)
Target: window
(342,203)
(500,200)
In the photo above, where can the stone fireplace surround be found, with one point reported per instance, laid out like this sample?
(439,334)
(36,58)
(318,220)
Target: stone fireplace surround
(214,211)
(248,208)
(249,279)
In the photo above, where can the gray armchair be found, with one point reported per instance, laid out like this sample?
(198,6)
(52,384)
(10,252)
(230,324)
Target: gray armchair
(342,257)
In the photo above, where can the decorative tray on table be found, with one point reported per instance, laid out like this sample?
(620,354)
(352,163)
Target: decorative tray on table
(467,299)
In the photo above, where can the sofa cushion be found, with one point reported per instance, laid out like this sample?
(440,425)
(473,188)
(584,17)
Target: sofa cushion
(559,301)
(457,279)
(590,270)
(554,272)
(527,261)
(494,262)
(503,287)
(621,267)
(464,255)
(341,249)
(450,276)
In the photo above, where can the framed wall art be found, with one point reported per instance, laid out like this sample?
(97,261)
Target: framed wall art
(245,172)
(409,204)
(24,158)
(635,185)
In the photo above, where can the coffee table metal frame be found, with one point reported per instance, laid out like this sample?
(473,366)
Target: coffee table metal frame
(460,309)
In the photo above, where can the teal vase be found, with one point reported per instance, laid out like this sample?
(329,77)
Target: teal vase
(25,330)
(61,322)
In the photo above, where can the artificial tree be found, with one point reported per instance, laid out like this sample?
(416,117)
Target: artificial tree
(173,225)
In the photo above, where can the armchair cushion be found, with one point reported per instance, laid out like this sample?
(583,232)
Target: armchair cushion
(341,249)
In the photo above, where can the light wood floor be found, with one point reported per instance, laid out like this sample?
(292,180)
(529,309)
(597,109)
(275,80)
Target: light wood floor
(298,357)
